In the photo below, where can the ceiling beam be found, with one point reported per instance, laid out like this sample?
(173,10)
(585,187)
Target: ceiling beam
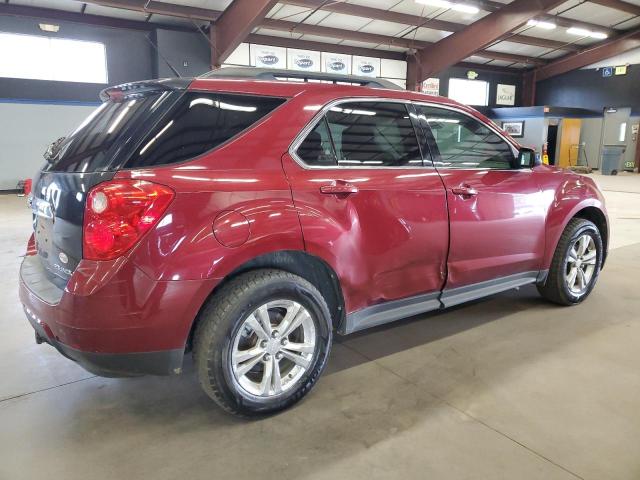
(85,18)
(338,33)
(415,21)
(588,56)
(324,47)
(160,8)
(354,35)
(626,7)
(236,22)
(492,6)
(480,34)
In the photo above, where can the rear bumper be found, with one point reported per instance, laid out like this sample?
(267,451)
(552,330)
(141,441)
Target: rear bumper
(165,362)
(125,325)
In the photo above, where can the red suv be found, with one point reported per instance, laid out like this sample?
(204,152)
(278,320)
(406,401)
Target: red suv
(247,219)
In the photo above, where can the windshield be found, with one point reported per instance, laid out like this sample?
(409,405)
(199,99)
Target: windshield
(92,146)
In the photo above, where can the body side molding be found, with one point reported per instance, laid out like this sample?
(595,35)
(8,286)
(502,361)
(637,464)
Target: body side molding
(391,311)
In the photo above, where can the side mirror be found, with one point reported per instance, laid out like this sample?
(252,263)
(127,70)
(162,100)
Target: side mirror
(527,158)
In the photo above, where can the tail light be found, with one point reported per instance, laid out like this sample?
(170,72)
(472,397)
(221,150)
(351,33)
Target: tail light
(31,246)
(119,213)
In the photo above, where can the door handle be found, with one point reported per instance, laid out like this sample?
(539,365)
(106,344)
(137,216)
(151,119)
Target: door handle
(464,191)
(339,188)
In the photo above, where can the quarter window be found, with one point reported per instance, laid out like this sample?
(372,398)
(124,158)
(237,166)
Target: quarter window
(464,142)
(199,123)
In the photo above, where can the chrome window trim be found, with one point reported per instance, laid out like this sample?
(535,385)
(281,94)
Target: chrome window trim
(322,111)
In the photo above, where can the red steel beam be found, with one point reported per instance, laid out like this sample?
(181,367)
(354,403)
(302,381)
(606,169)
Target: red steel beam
(236,22)
(492,6)
(480,34)
(588,56)
(626,7)
(415,21)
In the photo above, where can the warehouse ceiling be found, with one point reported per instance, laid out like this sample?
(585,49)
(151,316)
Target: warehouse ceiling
(393,25)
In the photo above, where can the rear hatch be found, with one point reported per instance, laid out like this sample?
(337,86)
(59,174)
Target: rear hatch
(89,155)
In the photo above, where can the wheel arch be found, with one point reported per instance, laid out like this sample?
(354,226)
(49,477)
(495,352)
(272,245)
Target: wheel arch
(591,209)
(310,267)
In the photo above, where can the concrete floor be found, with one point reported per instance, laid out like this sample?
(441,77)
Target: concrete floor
(510,387)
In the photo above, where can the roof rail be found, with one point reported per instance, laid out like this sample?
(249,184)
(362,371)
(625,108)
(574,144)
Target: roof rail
(283,74)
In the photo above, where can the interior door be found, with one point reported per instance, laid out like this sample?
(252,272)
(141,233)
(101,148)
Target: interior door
(368,205)
(615,130)
(497,219)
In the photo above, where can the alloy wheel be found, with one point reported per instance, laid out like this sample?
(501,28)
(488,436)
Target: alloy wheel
(273,348)
(581,264)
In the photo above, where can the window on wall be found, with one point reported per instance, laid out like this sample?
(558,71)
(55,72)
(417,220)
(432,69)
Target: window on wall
(469,92)
(44,58)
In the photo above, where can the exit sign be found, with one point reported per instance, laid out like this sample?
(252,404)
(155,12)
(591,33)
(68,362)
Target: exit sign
(621,70)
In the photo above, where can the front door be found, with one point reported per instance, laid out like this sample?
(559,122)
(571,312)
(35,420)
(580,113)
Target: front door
(496,210)
(368,205)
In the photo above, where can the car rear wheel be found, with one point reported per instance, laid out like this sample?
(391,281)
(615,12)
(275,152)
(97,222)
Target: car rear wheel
(576,264)
(262,342)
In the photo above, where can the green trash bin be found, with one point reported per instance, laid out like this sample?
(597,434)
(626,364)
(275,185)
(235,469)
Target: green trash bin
(612,160)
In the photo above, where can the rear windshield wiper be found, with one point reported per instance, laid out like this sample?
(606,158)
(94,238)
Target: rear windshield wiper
(53,150)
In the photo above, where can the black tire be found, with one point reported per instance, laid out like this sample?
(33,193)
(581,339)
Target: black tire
(555,288)
(224,315)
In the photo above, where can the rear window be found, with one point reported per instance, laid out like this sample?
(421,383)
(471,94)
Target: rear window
(92,145)
(199,123)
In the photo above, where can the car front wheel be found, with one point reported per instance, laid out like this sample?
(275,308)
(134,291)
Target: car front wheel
(262,342)
(576,264)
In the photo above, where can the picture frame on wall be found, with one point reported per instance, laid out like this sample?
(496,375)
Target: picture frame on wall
(515,129)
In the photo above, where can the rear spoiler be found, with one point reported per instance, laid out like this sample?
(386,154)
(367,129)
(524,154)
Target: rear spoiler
(138,89)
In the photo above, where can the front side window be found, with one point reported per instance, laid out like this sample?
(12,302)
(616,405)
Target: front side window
(464,142)
(199,123)
(373,134)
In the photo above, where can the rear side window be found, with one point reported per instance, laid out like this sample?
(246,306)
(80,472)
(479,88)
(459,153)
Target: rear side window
(464,142)
(373,134)
(90,147)
(199,123)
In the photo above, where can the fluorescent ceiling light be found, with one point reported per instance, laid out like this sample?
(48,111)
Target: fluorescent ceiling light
(582,32)
(541,24)
(47,27)
(459,7)
(599,35)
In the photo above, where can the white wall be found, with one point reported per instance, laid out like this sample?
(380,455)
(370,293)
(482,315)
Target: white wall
(26,129)
(392,70)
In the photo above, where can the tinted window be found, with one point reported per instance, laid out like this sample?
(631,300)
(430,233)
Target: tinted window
(200,122)
(464,142)
(316,149)
(373,134)
(89,147)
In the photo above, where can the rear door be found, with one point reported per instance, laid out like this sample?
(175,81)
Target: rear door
(496,210)
(368,204)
